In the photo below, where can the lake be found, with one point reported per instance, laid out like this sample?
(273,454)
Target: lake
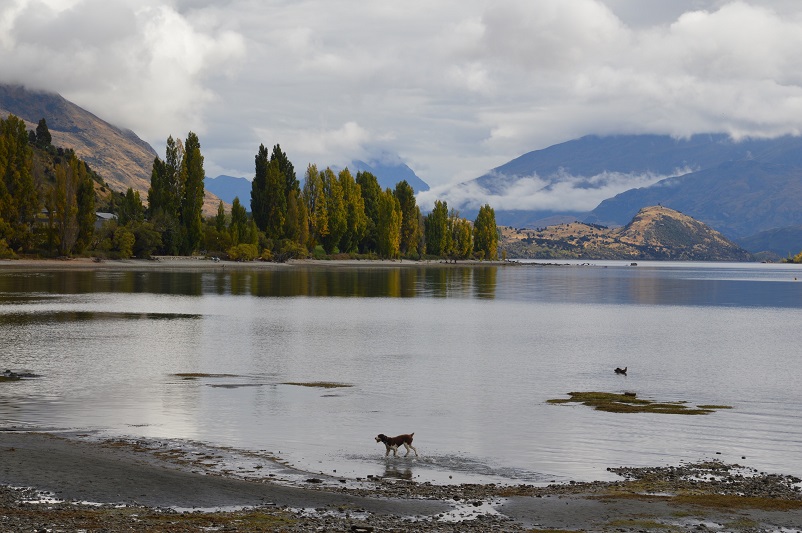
(466,357)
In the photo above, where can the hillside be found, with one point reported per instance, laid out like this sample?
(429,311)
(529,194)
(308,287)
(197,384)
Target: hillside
(738,187)
(655,233)
(121,158)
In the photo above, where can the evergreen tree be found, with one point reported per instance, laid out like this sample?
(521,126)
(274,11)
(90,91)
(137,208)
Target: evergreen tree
(192,202)
(43,137)
(485,233)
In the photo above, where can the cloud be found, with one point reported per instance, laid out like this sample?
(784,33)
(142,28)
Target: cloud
(561,192)
(140,65)
(454,87)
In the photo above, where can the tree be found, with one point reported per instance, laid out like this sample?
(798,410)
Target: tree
(410,229)
(371,190)
(192,203)
(131,209)
(65,210)
(220,218)
(356,221)
(485,233)
(287,171)
(461,236)
(389,225)
(43,137)
(86,205)
(335,210)
(259,191)
(19,199)
(315,200)
(239,222)
(436,229)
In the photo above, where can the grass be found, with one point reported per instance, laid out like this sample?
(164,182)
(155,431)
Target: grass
(321,384)
(628,403)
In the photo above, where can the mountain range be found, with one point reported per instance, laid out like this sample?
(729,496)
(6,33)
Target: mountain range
(388,169)
(750,190)
(741,188)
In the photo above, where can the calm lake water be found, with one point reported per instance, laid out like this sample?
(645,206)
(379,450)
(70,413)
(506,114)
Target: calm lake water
(464,357)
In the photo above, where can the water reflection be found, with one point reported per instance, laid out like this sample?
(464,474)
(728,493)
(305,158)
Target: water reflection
(368,282)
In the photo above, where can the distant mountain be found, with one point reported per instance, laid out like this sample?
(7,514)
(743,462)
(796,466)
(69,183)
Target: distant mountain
(778,243)
(121,158)
(228,187)
(763,173)
(739,198)
(390,170)
(655,233)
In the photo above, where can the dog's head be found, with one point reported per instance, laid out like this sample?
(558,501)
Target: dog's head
(381,437)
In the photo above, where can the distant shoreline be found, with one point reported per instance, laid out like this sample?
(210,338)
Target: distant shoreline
(198,263)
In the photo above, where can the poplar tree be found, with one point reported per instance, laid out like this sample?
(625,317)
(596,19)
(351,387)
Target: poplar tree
(370,189)
(316,206)
(436,230)
(485,233)
(389,225)
(335,210)
(19,199)
(356,221)
(86,206)
(410,229)
(192,202)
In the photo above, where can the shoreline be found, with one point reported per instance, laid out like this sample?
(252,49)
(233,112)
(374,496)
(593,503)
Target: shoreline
(206,264)
(132,488)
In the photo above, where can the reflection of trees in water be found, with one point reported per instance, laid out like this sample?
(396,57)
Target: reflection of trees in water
(370,281)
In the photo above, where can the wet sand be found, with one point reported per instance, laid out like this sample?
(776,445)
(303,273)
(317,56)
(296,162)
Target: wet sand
(151,488)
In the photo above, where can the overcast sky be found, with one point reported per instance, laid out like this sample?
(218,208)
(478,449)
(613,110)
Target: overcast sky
(454,87)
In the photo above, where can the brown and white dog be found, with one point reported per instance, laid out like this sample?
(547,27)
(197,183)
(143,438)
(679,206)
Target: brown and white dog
(392,443)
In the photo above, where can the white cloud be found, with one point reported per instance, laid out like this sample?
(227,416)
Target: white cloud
(559,192)
(454,87)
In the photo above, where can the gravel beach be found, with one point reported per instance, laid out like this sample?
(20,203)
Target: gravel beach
(56,483)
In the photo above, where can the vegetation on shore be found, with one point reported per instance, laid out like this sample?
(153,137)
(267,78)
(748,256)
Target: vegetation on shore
(629,403)
(49,199)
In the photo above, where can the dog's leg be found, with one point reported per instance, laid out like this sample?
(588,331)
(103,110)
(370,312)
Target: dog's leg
(408,446)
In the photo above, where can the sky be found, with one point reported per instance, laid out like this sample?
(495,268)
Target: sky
(454,87)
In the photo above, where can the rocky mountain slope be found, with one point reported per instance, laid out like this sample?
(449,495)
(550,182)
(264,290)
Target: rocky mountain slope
(121,158)
(738,187)
(655,233)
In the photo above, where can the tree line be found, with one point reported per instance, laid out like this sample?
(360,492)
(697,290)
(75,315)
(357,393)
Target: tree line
(328,213)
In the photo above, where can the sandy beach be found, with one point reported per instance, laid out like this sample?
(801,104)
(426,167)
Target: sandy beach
(56,483)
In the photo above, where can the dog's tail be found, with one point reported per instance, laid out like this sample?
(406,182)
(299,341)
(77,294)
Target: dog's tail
(412,434)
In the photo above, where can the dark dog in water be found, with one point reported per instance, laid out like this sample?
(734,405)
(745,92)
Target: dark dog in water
(392,443)
(621,371)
